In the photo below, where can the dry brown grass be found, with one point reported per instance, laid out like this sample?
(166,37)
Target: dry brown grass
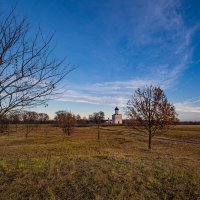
(50,165)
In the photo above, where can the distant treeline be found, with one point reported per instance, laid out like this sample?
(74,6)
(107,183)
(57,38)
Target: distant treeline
(24,117)
(188,123)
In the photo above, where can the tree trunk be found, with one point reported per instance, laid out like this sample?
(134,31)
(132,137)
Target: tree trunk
(27,131)
(65,130)
(16,127)
(68,131)
(150,136)
(6,128)
(98,133)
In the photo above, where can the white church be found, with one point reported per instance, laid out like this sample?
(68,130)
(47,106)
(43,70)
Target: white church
(117,118)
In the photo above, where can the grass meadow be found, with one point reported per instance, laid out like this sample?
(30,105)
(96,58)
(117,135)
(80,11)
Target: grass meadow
(49,165)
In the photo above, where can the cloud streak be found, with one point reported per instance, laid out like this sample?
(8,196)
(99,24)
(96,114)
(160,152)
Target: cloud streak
(81,97)
(189,106)
(184,107)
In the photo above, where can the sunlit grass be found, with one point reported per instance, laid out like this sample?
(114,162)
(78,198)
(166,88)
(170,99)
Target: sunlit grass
(50,165)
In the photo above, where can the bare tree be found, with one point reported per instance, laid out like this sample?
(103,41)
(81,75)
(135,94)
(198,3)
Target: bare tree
(29,73)
(78,117)
(84,121)
(14,117)
(4,125)
(29,119)
(66,120)
(150,112)
(43,117)
(97,118)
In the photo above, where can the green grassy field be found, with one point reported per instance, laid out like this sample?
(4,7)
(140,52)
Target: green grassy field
(50,165)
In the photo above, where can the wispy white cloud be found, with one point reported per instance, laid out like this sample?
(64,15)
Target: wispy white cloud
(81,97)
(118,85)
(189,106)
(107,93)
(170,36)
(182,107)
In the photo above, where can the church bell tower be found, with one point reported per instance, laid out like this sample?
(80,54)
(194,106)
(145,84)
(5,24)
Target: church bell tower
(117,118)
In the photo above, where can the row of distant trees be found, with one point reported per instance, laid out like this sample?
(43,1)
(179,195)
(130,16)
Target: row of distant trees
(25,117)
(34,117)
(29,118)
(67,120)
(64,119)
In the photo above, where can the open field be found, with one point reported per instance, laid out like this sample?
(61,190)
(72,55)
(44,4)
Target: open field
(50,165)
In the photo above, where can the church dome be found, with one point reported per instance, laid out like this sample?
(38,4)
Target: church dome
(116,108)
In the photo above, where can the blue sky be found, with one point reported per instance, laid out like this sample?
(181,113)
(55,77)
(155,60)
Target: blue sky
(118,46)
